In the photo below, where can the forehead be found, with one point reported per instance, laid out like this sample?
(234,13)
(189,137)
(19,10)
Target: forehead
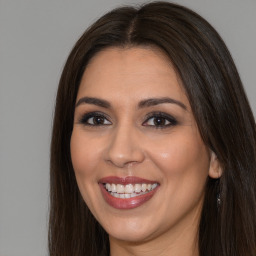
(132,72)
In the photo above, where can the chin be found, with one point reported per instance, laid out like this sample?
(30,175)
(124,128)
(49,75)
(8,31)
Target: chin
(131,236)
(131,230)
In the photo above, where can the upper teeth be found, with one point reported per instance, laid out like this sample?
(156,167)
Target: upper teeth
(129,188)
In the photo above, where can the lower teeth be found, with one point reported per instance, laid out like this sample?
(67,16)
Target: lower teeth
(127,195)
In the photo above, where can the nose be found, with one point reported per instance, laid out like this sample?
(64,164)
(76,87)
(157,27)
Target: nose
(124,147)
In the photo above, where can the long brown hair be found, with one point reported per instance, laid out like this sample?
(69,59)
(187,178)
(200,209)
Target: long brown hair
(220,107)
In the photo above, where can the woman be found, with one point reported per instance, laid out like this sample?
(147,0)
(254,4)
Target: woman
(154,143)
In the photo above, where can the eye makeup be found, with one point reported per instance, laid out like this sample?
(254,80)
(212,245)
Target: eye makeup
(159,120)
(94,119)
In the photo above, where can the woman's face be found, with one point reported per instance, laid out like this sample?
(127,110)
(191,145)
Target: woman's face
(140,163)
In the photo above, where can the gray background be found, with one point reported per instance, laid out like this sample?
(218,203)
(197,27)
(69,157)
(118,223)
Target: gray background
(35,39)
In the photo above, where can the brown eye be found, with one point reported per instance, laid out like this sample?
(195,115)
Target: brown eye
(160,120)
(97,120)
(94,119)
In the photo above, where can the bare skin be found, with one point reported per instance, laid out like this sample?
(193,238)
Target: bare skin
(119,132)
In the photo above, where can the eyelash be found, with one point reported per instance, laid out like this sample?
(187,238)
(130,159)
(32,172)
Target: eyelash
(162,117)
(85,118)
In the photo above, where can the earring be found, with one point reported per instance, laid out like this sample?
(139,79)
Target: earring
(218,200)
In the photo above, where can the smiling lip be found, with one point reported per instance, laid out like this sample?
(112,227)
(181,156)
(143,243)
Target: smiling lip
(126,203)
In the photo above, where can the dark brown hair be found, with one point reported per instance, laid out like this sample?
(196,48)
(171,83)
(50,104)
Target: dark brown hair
(219,105)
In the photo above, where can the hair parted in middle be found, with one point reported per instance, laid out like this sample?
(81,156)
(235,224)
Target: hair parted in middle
(221,110)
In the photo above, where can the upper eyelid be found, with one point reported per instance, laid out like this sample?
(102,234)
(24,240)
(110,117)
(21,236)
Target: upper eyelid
(92,114)
(95,113)
(168,117)
(146,118)
(160,114)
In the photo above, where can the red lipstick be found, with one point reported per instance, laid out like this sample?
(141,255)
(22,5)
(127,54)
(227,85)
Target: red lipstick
(126,203)
(125,180)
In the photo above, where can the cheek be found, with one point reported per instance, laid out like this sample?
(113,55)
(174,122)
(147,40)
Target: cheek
(83,153)
(184,164)
(85,159)
(183,155)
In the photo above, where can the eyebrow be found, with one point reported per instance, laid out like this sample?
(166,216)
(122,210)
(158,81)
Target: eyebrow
(142,104)
(157,101)
(93,101)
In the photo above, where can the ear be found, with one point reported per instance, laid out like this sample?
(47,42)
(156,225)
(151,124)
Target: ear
(215,169)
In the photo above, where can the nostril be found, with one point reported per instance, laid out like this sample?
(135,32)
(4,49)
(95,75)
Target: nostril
(124,148)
